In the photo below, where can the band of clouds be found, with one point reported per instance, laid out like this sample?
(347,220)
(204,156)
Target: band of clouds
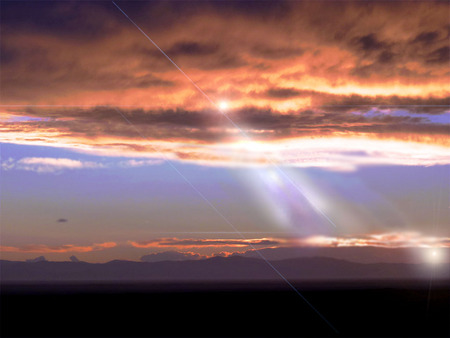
(338,138)
(43,248)
(192,243)
(304,76)
(385,240)
(46,165)
(226,247)
(332,153)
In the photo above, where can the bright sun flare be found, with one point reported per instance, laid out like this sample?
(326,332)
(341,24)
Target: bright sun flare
(435,256)
(223,105)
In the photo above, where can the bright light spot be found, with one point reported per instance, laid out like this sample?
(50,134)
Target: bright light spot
(252,146)
(274,177)
(434,256)
(223,105)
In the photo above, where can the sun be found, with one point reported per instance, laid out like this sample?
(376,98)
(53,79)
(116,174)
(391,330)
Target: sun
(223,105)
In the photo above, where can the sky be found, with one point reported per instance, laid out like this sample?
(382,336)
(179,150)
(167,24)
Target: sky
(202,128)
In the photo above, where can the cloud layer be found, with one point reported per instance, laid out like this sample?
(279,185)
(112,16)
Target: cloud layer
(375,48)
(197,243)
(48,164)
(290,71)
(384,240)
(177,248)
(43,248)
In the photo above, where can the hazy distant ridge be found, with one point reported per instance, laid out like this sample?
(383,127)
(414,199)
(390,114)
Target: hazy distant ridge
(217,269)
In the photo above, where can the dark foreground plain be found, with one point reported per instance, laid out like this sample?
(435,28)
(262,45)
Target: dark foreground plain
(356,309)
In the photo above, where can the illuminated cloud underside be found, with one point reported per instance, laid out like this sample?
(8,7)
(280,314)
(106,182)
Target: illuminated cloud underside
(385,240)
(337,85)
(334,153)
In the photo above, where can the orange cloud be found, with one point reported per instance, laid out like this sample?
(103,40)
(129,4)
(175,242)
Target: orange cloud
(384,240)
(196,243)
(320,70)
(370,49)
(43,248)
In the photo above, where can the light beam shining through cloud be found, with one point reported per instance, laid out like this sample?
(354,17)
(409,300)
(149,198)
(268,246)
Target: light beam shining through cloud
(206,199)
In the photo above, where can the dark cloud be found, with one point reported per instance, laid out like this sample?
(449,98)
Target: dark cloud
(192,48)
(368,43)
(282,93)
(385,56)
(274,53)
(191,55)
(69,19)
(441,55)
(62,220)
(338,113)
(322,120)
(222,61)
(426,38)
(259,9)
(66,73)
(428,105)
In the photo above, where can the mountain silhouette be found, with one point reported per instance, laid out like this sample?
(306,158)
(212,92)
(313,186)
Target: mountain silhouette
(352,254)
(218,269)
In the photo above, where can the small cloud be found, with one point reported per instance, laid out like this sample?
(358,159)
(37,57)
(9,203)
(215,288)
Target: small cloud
(48,164)
(171,256)
(192,48)
(369,42)
(8,164)
(139,163)
(62,220)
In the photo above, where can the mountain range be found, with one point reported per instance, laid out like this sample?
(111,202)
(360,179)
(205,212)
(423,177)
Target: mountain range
(218,269)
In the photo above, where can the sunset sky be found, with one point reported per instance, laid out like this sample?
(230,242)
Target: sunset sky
(286,123)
